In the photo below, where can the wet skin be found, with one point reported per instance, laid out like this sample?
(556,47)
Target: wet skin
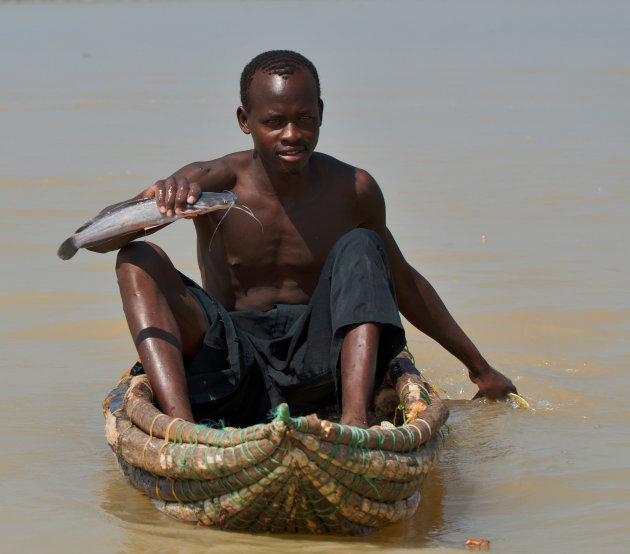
(305,201)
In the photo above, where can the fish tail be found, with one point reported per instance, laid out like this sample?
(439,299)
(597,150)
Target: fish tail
(67,249)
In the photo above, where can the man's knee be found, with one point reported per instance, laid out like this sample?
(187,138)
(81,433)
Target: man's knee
(139,260)
(361,243)
(140,255)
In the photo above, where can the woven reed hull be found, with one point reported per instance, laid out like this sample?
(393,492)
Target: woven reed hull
(293,475)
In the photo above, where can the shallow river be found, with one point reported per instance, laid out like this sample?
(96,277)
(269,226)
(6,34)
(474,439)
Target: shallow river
(500,135)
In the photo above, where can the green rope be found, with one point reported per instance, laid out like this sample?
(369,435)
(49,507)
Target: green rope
(240,484)
(411,437)
(301,424)
(131,412)
(120,437)
(215,467)
(206,490)
(282,413)
(425,396)
(256,469)
(247,454)
(190,494)
(192,456)
(406,349)
(403,437)
(212,504)
(257,443)
(369,482)
(335,449)
(231,436)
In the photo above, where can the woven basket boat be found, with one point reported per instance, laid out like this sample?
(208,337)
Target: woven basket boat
(292,475)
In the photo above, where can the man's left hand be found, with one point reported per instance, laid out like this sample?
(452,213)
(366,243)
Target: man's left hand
(492,384)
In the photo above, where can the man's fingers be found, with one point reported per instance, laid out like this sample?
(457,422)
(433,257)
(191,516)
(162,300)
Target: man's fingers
(151,191)
(173,194)
(494,394)
(160,195)
(194,192)
(181,197)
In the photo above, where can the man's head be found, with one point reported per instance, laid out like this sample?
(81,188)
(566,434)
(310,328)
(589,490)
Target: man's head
(274,62)
(282,110)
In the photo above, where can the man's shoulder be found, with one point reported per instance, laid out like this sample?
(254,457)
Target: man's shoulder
(241,158)
(235,161)
(353,187)
(218,174)
(333,167)
(329,162)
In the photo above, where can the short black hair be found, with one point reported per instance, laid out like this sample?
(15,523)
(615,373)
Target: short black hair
(274,62)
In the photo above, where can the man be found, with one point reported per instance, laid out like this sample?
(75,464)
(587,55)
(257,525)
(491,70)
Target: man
(301,306)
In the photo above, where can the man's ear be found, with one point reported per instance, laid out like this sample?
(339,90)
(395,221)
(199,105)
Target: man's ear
(320,103)
(242,116)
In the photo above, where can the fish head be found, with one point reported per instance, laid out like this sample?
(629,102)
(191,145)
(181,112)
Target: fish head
(209,202)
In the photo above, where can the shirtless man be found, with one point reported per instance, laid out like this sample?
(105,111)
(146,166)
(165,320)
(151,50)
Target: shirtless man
(306,203)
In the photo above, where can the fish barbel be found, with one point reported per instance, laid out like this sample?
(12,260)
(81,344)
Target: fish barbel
(137,215)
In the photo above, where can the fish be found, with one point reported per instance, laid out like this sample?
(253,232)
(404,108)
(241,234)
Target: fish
(137,215)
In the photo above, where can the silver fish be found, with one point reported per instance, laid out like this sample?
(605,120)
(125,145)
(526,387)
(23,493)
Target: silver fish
(137,215)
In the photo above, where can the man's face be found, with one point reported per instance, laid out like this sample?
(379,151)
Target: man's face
(284,119)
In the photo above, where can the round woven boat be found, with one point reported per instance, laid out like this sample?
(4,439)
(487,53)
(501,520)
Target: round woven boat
(292,475)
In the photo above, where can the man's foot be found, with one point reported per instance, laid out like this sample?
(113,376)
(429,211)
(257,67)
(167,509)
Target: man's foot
(354,421)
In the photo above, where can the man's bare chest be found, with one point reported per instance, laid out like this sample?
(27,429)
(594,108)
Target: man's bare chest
(282,240)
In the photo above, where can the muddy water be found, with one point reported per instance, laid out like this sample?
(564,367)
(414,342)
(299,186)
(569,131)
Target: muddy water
(499,134)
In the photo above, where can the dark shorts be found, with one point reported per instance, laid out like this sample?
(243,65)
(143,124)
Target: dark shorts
(251,361)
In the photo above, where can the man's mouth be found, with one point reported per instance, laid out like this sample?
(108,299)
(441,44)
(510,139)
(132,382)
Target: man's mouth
(291,154)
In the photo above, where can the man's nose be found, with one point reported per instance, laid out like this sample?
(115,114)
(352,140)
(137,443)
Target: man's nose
(291,132)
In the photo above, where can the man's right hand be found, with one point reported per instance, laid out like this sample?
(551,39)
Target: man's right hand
(173,194)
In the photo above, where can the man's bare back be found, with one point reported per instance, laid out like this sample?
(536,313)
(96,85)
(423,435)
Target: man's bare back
(304,202)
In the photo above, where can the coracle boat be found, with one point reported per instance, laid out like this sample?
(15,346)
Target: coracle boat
(292,475)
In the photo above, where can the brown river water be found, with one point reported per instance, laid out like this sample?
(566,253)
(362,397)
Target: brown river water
(500,135)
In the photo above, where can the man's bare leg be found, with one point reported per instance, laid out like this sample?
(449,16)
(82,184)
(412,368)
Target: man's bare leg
(358,369)
(166,323)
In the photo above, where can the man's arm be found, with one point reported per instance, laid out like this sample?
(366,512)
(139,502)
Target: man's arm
(175,192)
(421,305)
